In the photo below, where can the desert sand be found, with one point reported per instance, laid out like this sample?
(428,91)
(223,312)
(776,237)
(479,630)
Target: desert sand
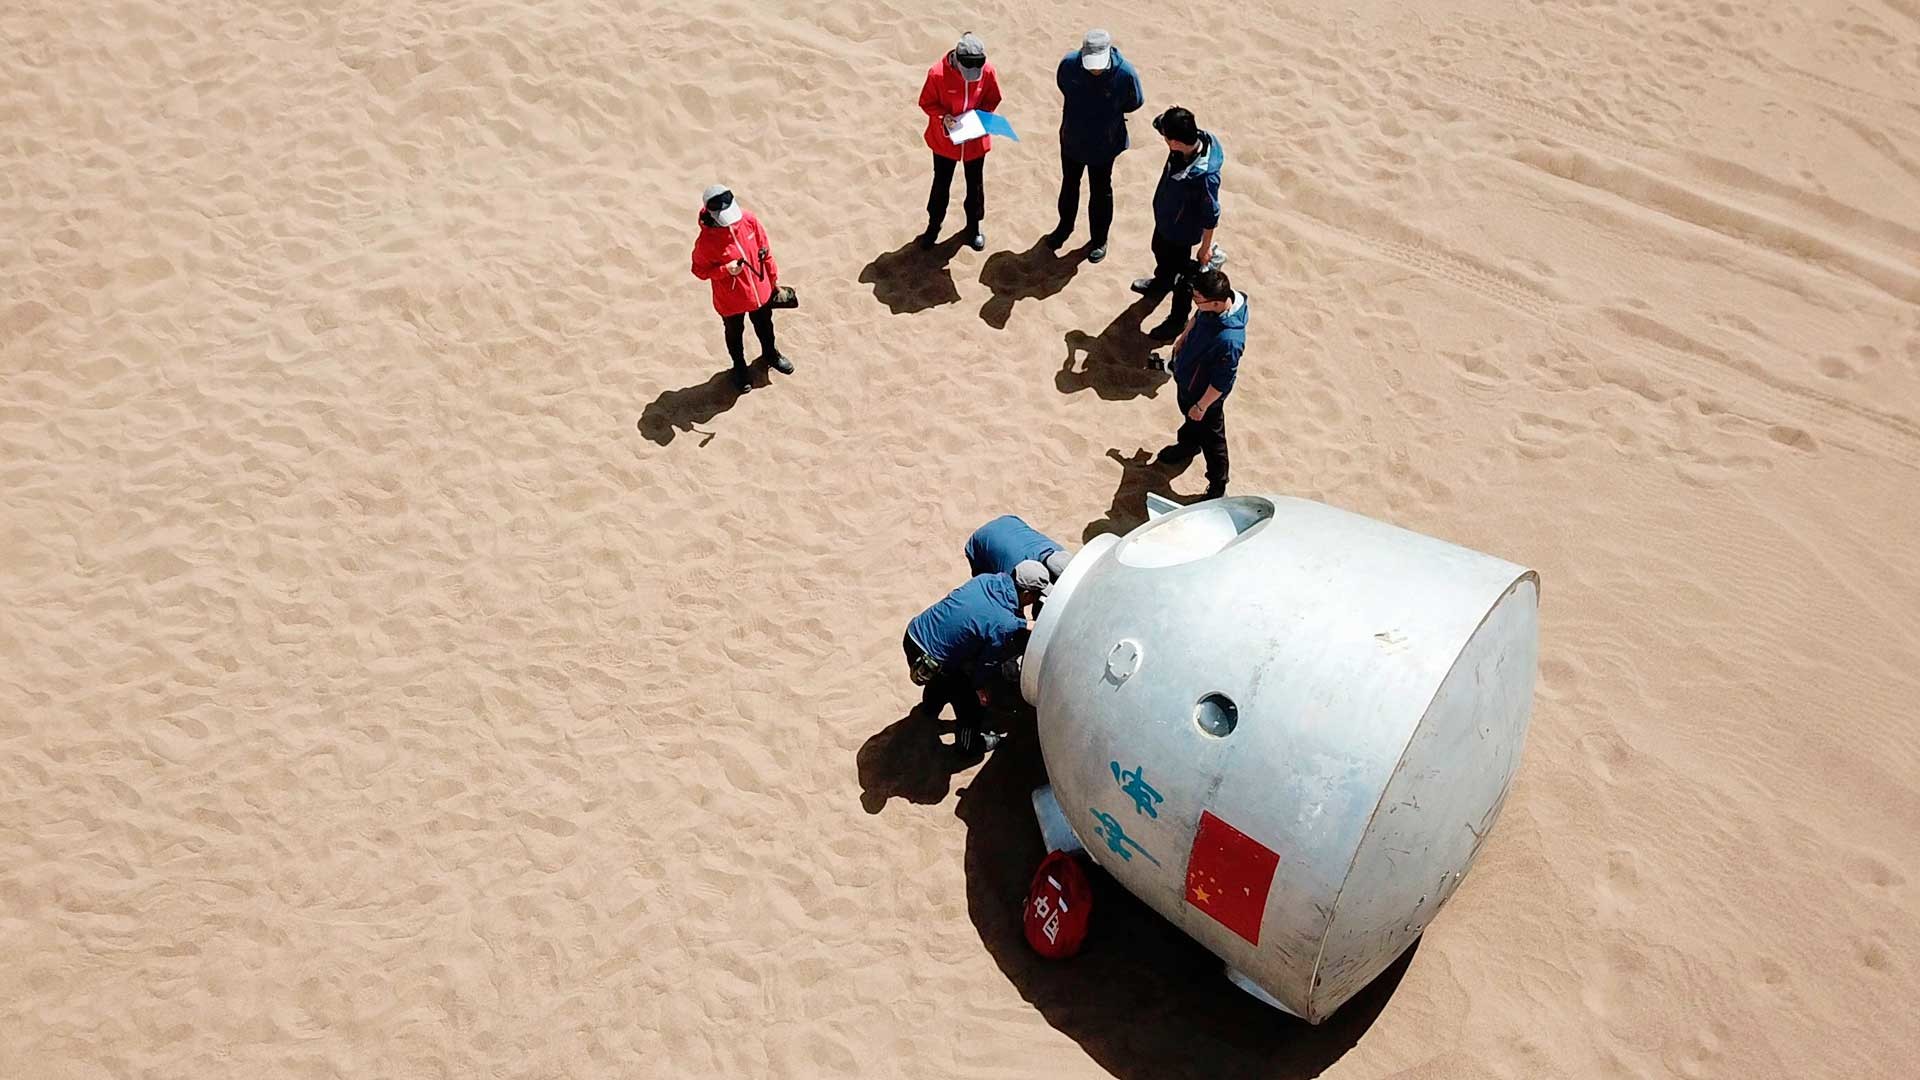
(418,664)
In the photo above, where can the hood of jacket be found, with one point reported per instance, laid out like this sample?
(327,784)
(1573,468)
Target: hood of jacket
(1208,160)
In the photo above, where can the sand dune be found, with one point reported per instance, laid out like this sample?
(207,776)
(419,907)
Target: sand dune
(417,662)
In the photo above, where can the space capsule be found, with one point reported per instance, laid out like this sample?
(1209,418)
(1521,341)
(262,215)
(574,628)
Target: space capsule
(1286,727)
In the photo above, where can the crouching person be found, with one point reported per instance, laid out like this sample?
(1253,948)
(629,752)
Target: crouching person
(964,647)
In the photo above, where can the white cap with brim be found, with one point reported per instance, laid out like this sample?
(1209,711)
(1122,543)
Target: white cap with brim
(1096,52)
(729,212)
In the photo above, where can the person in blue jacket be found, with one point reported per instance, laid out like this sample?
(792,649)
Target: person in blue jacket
(1206,360)
(1006,542)
(1186,210)
(1100,88)
(960,648)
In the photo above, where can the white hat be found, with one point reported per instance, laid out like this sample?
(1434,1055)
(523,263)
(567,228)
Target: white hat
(1096,51)
(720,204)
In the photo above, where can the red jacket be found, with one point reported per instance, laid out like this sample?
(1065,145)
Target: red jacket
(948,93)
(718,245)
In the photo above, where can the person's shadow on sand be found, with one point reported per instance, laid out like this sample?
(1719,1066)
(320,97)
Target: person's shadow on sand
(909,279)
(680,410)
(1033,274)
(907,760)
(1115,364)
(1138,476)
(1141,998)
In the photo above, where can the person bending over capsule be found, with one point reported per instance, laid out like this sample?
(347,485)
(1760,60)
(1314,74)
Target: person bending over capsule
(969,644)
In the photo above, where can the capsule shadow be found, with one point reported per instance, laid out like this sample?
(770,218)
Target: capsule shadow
(1141,998)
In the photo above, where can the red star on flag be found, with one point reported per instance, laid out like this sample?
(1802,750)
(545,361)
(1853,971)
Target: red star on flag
(1228,876)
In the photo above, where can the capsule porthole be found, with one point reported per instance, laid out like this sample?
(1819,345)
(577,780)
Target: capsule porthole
(1217,715)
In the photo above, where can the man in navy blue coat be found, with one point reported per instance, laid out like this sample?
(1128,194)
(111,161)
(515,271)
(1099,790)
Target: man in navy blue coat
(958,648)
(1006,542)
(1206,361)
(1100,89)
(1186,210)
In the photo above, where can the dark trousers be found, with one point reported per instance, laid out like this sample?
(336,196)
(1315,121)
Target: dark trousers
(1174,268)
(1208,436)
(737,334)
(950,685)
(976,202)
(1099,196)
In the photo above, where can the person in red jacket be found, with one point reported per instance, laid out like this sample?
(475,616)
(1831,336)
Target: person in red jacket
(733,254)
(957,83)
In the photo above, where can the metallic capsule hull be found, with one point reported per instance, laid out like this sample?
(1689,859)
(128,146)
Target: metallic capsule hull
(1286,727)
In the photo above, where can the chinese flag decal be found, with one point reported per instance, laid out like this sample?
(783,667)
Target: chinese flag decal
(1228,875)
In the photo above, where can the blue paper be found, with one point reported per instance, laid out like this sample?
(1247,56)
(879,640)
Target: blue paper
(997,125)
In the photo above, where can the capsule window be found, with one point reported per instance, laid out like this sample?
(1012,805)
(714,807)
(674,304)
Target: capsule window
(1217,715)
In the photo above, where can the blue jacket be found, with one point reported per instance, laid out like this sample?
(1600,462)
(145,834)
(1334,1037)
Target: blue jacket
(975,627)
(1187,202)
(1093,121)
(1003,543)
(1211,354)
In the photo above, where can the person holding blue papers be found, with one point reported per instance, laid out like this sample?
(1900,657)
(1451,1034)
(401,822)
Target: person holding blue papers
(957,84)
(1100,89)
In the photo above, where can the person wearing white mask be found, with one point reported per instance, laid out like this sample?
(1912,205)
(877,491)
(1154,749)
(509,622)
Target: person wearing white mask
(733,254)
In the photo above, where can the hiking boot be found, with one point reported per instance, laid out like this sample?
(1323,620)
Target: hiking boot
(1168,330)
(779,363)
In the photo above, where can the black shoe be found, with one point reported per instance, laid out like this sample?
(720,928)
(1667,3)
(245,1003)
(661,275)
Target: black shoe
(1168,330)
(1173,454)
(779,363)
(977,240)
(742,381)
(930,239)
(991,740)
(1096,253)
(1216,491)
(1054,239)
(1144,286)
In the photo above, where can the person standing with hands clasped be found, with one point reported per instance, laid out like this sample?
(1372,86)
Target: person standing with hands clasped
(957,83)
(1100,88)
(1186,209)
(732,253)
(1206,360)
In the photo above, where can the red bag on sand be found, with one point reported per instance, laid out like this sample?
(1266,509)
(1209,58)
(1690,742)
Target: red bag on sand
(1058,903)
